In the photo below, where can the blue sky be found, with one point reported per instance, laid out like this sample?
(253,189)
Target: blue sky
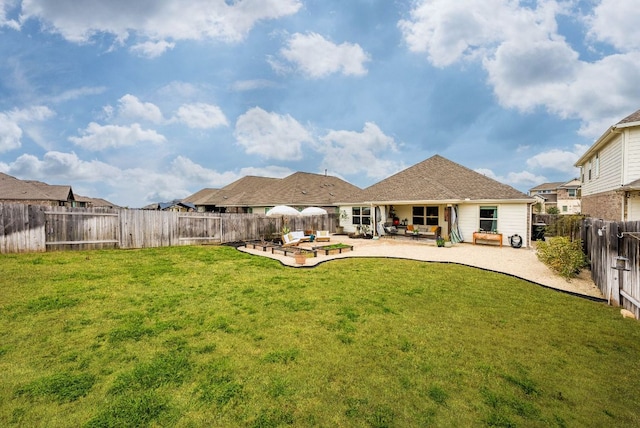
(151,100)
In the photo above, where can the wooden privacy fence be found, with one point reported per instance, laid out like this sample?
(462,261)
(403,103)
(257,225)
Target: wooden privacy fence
(35,228)
(609,245)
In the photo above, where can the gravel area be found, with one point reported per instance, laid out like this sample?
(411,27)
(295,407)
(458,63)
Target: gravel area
(519,262)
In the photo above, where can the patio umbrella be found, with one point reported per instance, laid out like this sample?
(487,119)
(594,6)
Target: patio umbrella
(309,211)
(283,211)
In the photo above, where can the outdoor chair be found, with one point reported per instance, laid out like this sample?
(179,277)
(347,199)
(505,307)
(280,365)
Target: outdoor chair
(390,229)
(322,235)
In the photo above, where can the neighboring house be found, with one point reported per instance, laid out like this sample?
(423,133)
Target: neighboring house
(610,173)
(257,195)
(439,192)
(175,205)
(203,199)
(546,196)
(34,192)
(85,201)
(565,196)
(568,197)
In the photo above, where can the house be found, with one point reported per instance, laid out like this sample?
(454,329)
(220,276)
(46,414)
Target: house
(565,196)
(439,192)
(175,205)
(34,192)
(257,195)
(610,173)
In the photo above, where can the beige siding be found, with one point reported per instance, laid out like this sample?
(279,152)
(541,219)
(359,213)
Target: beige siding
(632,160)
(512,219)
(610,174)
(468,220)
(633,207)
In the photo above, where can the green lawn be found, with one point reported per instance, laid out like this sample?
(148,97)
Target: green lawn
(209,336)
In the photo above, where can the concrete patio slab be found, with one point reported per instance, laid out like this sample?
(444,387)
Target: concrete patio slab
(518,262)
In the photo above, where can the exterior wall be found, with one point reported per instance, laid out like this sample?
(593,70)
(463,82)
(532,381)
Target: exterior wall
(606,205)
(632,160)
(633,207)
(512,219)
(610,176)
(573,206)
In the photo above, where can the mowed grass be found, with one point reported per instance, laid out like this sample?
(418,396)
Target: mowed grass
(209,336)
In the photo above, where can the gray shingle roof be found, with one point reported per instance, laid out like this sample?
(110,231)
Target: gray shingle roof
(633,117)
(298,189)
(12,188)
(439,179)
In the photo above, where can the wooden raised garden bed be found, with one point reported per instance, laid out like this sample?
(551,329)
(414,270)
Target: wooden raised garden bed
(333,249)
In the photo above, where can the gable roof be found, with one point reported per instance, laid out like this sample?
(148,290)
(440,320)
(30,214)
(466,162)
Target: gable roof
(630,121)
(95,202)
(241,192)
(298,189)
(202,196)
(305,189)
(546,186)
(12,188)
(633,117)
(439,179)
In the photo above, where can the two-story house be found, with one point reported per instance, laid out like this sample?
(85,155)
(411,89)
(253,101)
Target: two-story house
(610,173)
(565,196)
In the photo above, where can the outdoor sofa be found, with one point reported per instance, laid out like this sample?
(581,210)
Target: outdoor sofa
(431,232)
(294,238)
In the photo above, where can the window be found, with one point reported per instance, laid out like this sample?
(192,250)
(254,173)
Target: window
(589,172)
(425,216)
(582,174)
(361,215)
(489,219)
(596,166)
(572,193)
(564,209)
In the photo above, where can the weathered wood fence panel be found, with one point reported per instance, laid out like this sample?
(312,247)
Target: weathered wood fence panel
(198,229)
(31,228)
(21,228)
(604,243)
(81,228)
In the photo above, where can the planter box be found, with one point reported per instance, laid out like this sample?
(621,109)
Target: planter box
(328,250)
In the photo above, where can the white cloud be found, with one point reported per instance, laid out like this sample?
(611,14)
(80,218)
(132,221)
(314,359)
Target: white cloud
(131,108)
(192,172)
(201,116)
(529,64)
(152,49)
(6,5)
(99,179)
(249,85)
(10,134)
(271,135)
(100,137)
(558,160)
(13,122)
(156,21)
(314,56)
(73,94)
(514,179)
(61,167)
(367,152)
(616,22)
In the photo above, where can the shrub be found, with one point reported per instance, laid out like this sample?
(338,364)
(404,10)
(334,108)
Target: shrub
(562,256)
